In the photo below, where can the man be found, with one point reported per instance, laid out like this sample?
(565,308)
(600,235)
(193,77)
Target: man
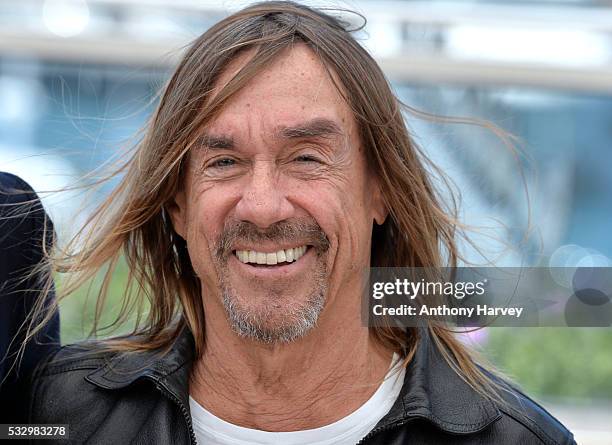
(276,170)
(23,227)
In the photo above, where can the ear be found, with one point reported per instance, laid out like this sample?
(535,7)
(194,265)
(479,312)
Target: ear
(177,209)
(379,208)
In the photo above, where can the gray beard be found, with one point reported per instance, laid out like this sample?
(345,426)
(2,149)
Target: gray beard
(297,320)
(282,320)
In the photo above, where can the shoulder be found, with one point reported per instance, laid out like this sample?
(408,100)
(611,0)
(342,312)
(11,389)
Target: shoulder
(11,181)
(527,421)
(64,391)
(14,190)
(21,210)
(488,410)
(59,387)
(91,377)
(73,357)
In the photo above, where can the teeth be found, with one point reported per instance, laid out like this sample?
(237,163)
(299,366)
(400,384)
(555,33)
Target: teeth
(281,256)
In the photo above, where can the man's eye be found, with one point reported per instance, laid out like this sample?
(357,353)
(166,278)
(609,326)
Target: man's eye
(222,163)
(306,158)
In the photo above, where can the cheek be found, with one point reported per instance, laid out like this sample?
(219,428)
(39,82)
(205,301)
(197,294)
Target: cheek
(207,213)
(341,209)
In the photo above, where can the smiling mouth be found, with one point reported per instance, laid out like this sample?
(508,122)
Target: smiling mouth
(278,258)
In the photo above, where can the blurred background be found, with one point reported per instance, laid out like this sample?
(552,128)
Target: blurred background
(79,78)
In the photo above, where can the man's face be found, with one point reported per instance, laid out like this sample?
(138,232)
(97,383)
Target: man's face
(277,202)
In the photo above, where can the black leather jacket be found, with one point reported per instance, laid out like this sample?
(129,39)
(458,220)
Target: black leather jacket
(143,399)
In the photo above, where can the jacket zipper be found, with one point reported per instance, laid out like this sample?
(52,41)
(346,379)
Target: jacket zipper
(382,428)
(186,415)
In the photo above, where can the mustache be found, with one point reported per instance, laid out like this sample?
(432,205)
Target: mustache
(297,230)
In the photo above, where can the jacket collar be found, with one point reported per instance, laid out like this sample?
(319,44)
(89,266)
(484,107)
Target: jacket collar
(432,390)
(170,370)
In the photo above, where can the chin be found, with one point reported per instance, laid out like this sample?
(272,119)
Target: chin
(273,318)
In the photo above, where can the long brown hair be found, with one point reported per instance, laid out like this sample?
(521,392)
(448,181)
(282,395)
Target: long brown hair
(133,223)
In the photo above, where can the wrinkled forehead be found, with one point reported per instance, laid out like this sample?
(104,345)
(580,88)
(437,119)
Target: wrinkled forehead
(295,87)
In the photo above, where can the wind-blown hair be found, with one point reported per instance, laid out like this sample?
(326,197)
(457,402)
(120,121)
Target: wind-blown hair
(133,222)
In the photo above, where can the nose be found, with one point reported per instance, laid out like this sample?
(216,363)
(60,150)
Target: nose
(263,201)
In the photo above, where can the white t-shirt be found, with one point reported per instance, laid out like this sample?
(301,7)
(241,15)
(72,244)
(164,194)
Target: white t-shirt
(211,430)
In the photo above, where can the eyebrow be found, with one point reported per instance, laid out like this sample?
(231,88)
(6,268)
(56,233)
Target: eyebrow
(318,127)
(216,142)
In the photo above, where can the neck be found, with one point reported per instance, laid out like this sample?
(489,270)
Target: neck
(311,382)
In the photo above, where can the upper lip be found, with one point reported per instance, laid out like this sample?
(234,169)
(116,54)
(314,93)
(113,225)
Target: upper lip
(269,248)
